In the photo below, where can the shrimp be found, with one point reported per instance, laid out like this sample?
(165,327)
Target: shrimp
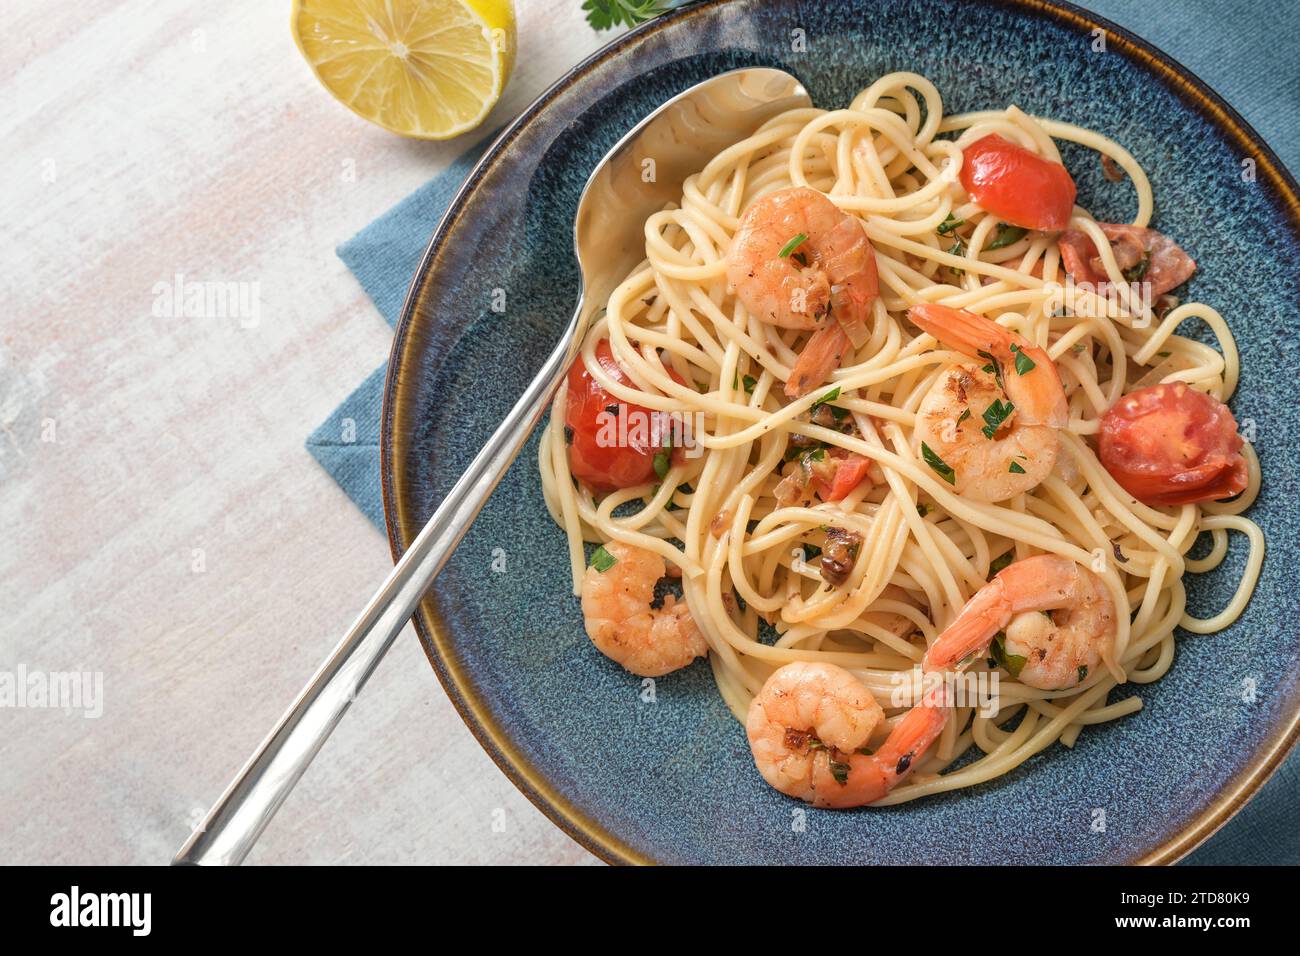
(1059,649)
(994,424)
(616,608)
(797,261)
(808,728)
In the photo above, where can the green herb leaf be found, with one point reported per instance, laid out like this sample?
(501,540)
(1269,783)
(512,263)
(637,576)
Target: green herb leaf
(941,467)
(958,248)
(1024,364)
(664,459)
(1006,235)
(963,416)
(811,551)
(1015,468)
(605,14)
(995,415)
(923,509)
(748,381)
(1083,673)
(795,242)
(994,368)
(602,560)
(830,396)
(1012,662)
(1135,273)
(840,771)
(1000,562)
(950,224)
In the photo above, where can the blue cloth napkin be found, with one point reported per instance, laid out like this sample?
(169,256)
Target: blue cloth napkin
(1225,42)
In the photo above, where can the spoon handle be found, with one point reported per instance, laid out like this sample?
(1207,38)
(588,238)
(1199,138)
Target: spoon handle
(238,818)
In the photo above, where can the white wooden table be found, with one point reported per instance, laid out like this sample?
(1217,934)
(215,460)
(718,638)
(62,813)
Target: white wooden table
(160,520)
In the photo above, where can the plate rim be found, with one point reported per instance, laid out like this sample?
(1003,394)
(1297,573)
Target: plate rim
(428,620)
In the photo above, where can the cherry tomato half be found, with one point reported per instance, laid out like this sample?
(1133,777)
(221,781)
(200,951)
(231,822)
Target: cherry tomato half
(607,452)
(1171,445)
(1016,185)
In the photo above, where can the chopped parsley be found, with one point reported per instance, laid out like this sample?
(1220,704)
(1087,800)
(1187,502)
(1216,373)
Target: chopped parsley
(941,467)
(923,509)
(1015,468)
(664,459)
(602,560)
(793,450)
(830,396)
(1024,364)
(995,416)
(958,248)
(1013,663)
(963,416)
(950,224)
(1136,272)
(568,434)
(994,368)
(1083,673)
(840,771)
(1000,562)
(748,381)
(1006,235)
(817,454)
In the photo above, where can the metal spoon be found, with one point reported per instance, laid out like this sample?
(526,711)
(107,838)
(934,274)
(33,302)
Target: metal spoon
(680,137)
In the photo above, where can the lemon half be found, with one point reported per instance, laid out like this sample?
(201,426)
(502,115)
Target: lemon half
(430,69)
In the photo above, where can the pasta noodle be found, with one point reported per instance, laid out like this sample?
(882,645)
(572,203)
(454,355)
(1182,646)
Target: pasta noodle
(889,158)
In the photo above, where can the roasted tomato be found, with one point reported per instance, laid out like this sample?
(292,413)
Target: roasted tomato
(1143,255)
(1017,185)
(1172,445)
(845,471)
(605,453)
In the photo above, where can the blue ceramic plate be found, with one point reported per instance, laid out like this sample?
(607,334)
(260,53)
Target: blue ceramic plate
(672,780)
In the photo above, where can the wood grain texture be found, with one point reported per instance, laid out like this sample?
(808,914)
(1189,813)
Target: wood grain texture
(161,522)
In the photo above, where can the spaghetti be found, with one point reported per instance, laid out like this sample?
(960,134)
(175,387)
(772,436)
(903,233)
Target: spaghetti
(747,554)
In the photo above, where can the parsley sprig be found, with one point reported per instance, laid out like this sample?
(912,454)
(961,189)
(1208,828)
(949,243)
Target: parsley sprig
(938,465)
(1006,235)
(605,14)
(995,416)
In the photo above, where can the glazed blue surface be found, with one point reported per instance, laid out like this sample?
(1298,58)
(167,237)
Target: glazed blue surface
(672,779)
